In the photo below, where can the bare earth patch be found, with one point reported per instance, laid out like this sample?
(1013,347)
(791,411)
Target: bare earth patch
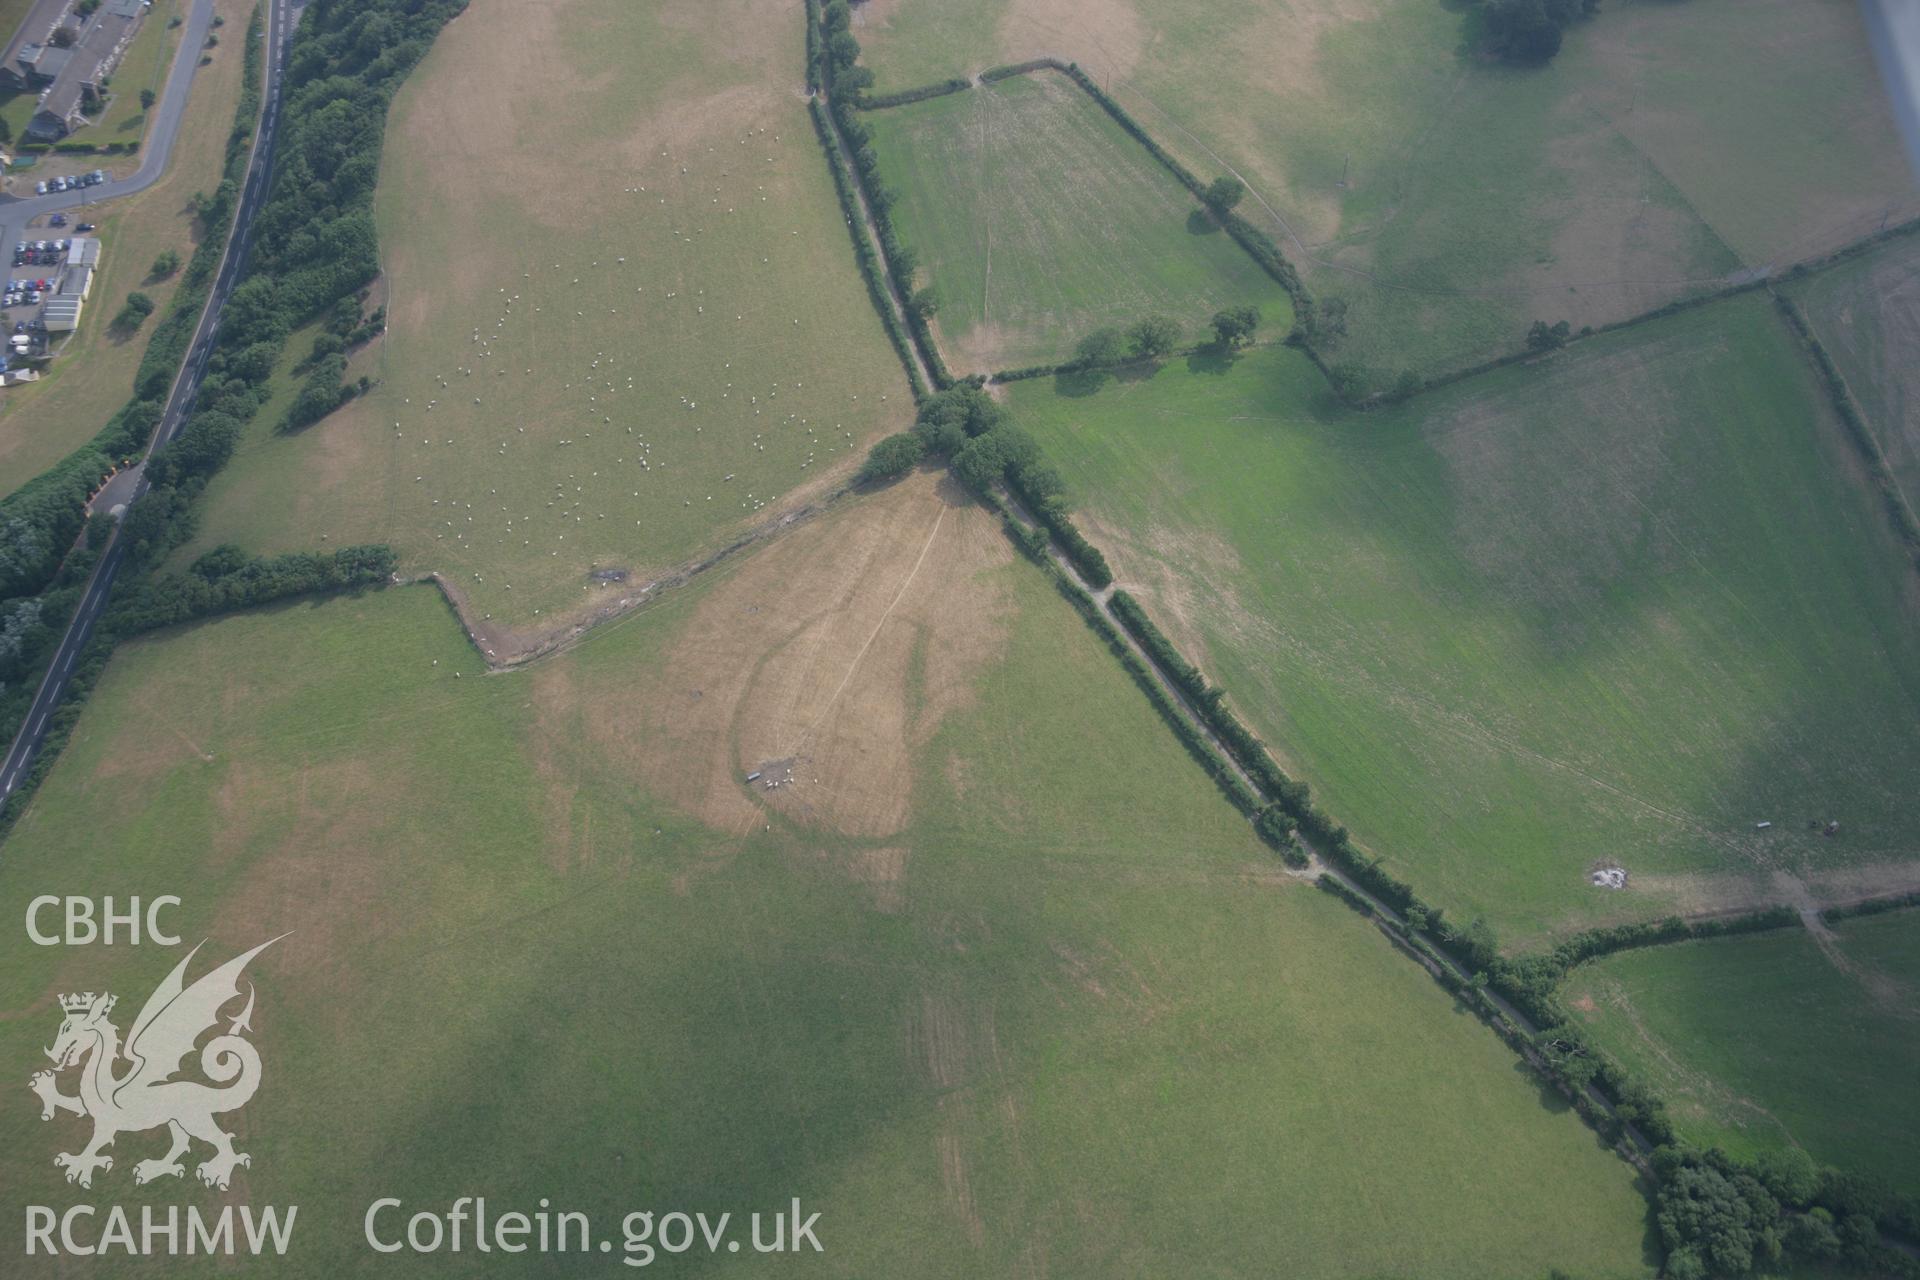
(833,652)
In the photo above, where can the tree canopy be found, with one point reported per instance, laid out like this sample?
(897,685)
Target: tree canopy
(1153,337)
(1225,192)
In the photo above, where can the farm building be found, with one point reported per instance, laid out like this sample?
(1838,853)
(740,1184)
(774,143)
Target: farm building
(77,282)
(76,86)
(62,314)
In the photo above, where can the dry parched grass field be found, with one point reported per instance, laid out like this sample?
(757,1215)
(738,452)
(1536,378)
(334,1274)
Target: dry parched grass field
(624,326)
(998,983)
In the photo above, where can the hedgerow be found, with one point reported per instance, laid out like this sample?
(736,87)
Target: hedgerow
(226,579)
(1258,244)
(863,252)
(1859,434)
(900,98)
(313,244)
(1029,371)
(1871,907)
(1281,805)
(1012,69)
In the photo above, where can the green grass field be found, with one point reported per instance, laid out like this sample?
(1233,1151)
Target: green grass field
(1038,220)
(143,66)
(1769,1041)
(1073,1024)
(1453,201)
(1867,313)
(614,362)
(1619,607)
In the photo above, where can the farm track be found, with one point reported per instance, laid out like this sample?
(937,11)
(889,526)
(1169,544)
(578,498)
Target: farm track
(872,233)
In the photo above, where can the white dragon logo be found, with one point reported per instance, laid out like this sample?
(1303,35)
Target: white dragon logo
(146,1095)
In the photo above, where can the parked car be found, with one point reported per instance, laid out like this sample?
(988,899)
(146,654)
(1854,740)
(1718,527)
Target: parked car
(40,187)
(86,226)
(98,175)
(35,296)
(58,220)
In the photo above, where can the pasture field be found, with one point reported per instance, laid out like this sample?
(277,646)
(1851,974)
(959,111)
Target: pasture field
(44,421)
(1038,220)
(997,1012)
(623,320)
(1777,1039)
(1452,201)
(1616,608)
(1867,314)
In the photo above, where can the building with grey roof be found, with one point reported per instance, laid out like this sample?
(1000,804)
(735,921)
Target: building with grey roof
(78,85)
(25,63)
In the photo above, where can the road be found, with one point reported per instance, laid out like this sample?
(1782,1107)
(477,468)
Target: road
(281,18)
(155,151)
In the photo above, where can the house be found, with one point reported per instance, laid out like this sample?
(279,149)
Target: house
(79,83)
(24,65)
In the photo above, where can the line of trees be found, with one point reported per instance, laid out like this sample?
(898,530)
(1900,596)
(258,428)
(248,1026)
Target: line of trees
(41,571)
(864,255)
(226,579)
(313,245)
(979,442)
(901,97)
(1013,69)
(1527,32)
(1032,542)
(845,81)
(1258,244)
(1858,432)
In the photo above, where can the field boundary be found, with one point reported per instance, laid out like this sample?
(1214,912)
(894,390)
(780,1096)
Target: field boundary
(1252,240)
(1515,996)
(1854,419)
(560,639)
(1258,244)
